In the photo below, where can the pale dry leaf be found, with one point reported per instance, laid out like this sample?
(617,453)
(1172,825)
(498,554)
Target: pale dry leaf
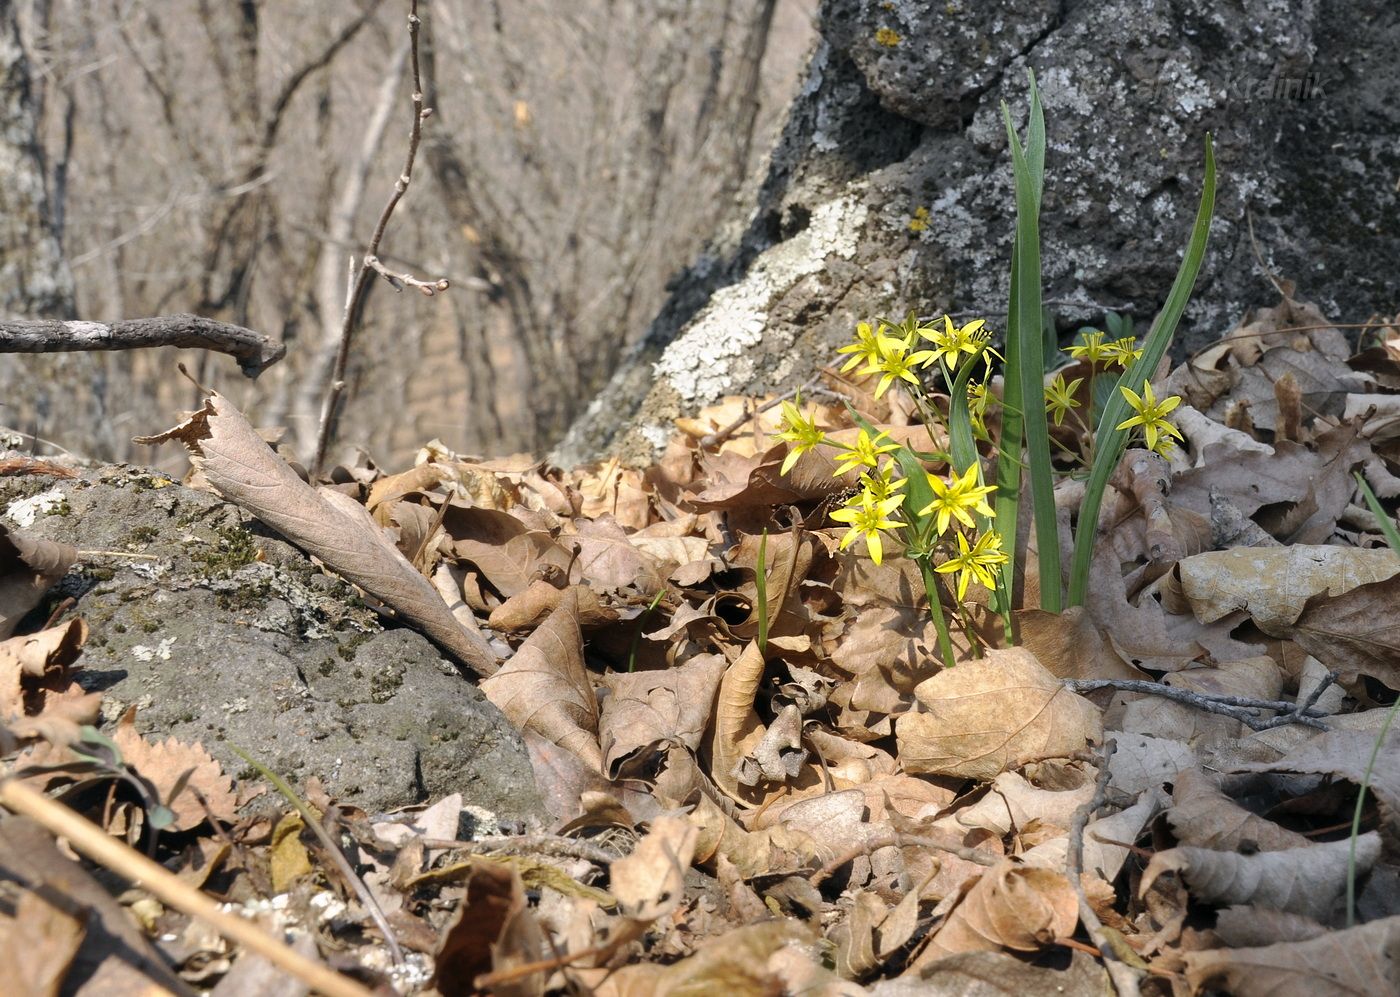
(1356,632)
(609,561)
(168,762)
(854,936)
(545,689)
(650,882)
(1012,906)
(986,716)
(1070,646)
(652,708)
(1358,962)
(1203,816)
(1143,762)
(1250,927)
(247,472)
(1307,880)
(1221,582)
(1106,840)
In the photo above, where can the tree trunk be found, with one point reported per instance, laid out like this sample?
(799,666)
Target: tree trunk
(901,110)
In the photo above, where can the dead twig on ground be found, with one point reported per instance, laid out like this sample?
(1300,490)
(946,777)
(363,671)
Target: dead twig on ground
(1241,708)
(170,890)
(369,263)
(527,844)
(1123,976)
(253,351)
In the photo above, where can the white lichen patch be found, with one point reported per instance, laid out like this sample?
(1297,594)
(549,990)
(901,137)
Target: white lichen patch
(707,360)
(23,512)
(162,651)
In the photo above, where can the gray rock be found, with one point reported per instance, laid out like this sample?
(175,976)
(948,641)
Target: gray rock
(1298,94)
(218,646)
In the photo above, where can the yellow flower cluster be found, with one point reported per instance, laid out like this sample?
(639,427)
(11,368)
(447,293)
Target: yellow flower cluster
(877,507)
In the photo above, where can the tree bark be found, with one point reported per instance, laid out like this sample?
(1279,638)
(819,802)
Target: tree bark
(34,278)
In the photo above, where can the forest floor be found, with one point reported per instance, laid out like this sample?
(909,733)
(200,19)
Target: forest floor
(758,776)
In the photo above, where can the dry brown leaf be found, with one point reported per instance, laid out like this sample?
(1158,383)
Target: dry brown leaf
(1204,817)
(1222,582)
(545,689)
(1307,880)
(608,560)
(115,956)
(38,697)
(737,730)
(245,471)
(986,716)
(1070,646)
(1346,754)
(528,609)
(765,958)
(37,945)
(1359,962)
(492,929)
(1254,678)
(1012,906)
(1357,631)
(648,709)
(168,762)
(28,568)
(508,553)
(650,882)
(1142,762)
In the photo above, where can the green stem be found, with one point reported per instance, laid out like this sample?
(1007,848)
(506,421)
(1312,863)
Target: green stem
(935,611)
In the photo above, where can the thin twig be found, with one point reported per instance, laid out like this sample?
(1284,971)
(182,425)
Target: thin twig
(330,411)
(170,889)
(1241,708)
(1123,976)
(253,351)
(885,839)
(539,844)
(398,281)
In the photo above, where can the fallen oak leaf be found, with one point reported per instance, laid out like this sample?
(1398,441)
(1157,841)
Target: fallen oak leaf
(243,469)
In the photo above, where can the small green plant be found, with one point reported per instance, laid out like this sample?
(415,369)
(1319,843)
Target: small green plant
(957,523)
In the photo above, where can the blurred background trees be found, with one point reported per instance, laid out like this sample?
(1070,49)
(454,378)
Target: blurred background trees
(226,157)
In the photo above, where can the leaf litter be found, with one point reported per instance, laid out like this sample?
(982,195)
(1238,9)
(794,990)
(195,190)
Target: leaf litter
(771,784)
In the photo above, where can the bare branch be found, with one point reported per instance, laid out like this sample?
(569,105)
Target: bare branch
(398,281)
(253,351)
(329,412)
(1241,708)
